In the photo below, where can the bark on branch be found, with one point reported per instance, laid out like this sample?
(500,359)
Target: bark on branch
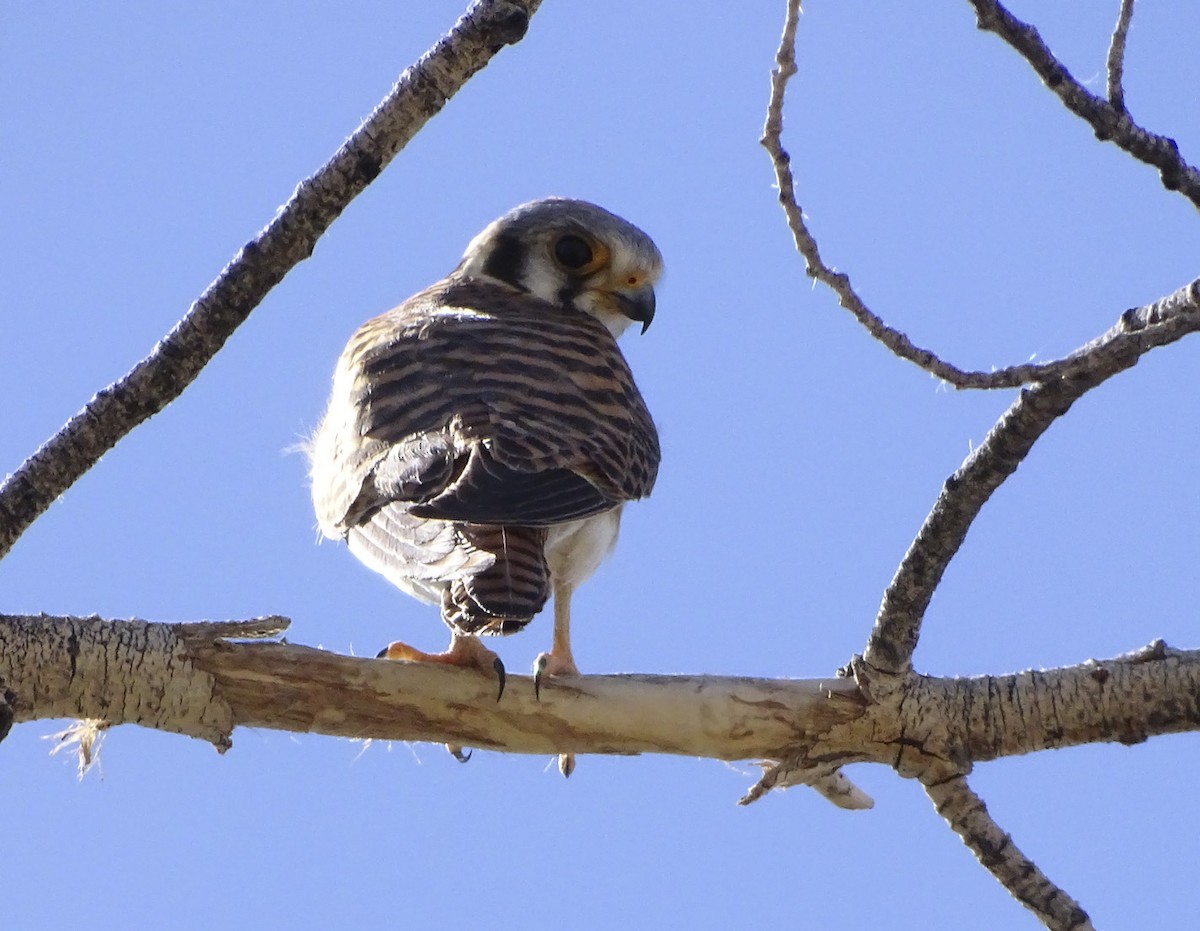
(191,679)
(1085,360)
(288,239)
(904,710)
(968,816)
(894,637)
(1110,121)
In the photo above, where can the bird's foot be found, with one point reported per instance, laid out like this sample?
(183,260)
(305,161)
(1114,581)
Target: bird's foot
(464,651)
(552,664)
(555,664)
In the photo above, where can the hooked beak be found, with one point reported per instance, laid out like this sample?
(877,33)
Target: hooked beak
(637,305)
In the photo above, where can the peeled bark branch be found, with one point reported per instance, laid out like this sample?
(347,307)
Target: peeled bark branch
(288,239)
(183,678)
(187,679)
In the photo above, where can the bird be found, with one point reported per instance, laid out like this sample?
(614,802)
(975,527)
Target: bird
(482,438)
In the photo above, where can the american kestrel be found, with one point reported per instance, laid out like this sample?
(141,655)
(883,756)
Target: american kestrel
(483,437)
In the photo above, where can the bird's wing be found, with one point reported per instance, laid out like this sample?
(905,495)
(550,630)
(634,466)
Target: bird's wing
(477,403)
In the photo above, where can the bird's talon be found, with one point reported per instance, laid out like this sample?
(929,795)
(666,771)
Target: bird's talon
(457,752)
(500,674)
(539,669)
(566,764)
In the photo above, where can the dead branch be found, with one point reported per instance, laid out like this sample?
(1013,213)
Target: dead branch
(1081,362)
(969,818)
(894,636)
(1116,56)
(1038,718)
(288,239)
(188,679)
(1110,122)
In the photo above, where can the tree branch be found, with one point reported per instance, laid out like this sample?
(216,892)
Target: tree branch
(117,672)
(288,239)
(1116,56)
(1110,122)
(968,816)
(188,679)
(928,727)
(1079,362)
(897,626)
(121,671)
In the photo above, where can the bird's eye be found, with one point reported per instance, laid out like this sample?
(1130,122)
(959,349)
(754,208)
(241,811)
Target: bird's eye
(572,252)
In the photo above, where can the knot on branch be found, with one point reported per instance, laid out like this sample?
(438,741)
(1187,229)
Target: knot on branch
(507,23)
(880,686)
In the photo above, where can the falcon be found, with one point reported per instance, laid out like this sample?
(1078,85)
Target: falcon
(483,437)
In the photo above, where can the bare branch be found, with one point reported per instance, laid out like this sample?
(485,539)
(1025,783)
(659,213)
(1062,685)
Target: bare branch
(1116,56)
(116,672)
(806,245)
(897,625)
(839,282)
(1109,122)
(928,727)
(176,677)
(1151,691)
(968,816)
(288,239)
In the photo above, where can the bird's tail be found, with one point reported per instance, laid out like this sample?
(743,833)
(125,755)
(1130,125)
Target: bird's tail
(503,596)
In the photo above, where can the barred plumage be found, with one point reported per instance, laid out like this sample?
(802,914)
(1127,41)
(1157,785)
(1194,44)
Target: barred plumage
(483,436)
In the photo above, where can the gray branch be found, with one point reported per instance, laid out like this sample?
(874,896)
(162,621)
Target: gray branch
(968,816)
(897,626)
(839,282)
(1031,706)
(1116,56)
(190,679)
(288,239)
(1110,122)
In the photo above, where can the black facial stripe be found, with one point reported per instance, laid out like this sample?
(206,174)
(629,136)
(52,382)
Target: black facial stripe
(506,262)
(567,294)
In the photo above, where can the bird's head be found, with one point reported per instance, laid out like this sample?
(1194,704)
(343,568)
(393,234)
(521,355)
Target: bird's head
(571,253)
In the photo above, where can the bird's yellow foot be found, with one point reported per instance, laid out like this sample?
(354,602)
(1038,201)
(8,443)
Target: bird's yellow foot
(464,651)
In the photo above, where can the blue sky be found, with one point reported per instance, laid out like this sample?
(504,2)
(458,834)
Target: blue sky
(146,142)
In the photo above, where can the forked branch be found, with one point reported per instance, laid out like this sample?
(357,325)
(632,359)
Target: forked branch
(894,636)
(191,679)
(1109,120)
(884,672)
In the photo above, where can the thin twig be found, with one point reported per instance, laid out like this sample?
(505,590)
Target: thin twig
(1116,56)
(806,245)
(968,816)
(288,239)
(1109,122)
(839,282)
(897,626)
